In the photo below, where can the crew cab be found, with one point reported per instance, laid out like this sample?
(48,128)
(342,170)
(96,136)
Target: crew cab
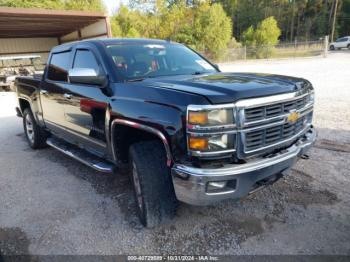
(186,131)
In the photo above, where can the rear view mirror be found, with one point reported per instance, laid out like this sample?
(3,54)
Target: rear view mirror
(217,67)
(87,76)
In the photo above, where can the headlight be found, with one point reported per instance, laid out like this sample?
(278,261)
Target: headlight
(215,117)
(312,97)
(208,143)
(210,130)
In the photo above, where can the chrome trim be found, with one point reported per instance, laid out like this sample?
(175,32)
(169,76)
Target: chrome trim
(268,100)
(213,133)
(241,127)
(145,128)
(308,107)
(221,193)
(209,128)
(280,142)
(209,107)
(101,167)
(283,121)
(252,165)
(190,182)
(212,153)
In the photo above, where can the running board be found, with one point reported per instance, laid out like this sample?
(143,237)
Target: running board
(81,155)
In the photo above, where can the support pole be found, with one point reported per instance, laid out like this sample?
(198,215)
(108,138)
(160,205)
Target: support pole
(334,19)
(325,50)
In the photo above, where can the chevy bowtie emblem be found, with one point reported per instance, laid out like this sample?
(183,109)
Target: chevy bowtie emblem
(293,117)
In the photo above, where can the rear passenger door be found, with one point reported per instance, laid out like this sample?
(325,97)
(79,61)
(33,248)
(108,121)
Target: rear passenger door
(85,106)
(53,88)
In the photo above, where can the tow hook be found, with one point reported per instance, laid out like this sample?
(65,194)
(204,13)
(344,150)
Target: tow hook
(305,156)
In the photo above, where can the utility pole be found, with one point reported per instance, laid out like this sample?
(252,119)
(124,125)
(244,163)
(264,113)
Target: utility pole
(334,19)
(292,23)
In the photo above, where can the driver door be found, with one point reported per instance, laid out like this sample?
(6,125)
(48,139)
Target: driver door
(85,107)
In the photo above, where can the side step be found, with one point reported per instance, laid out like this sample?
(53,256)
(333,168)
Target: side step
(81,155)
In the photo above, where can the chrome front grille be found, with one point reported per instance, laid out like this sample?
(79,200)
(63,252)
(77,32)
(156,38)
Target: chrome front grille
(269,111)
(265,124)
(272,135)
(261,125)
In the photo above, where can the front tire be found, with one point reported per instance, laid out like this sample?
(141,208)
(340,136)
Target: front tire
(153,188)
(35,135)
(348,46)
(332,48)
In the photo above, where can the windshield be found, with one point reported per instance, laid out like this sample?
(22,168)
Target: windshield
(138,61)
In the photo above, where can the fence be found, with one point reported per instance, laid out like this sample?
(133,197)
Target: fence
(282,50)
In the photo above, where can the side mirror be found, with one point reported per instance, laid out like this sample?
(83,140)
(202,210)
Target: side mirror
(87,76)
(217,66)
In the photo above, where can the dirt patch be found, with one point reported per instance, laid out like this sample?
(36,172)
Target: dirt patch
(116,186)
(296,190)
(332,146)
(219,234)
(13,241)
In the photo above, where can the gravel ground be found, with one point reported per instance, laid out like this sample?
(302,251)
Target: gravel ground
(51,204)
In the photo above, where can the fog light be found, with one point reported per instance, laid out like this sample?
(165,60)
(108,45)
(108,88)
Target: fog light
(221,187)
(198,143)
(217,184)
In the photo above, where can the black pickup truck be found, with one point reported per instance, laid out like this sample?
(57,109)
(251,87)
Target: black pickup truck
(186,131)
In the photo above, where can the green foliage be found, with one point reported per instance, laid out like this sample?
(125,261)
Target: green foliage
(249,36)
(298,19)
(85,5)
(47,4)
(202,26)
(266,33)
(263,38)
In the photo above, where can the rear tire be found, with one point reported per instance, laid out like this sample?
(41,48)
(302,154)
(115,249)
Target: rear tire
(348,46)
(35,135)
(153,187)
(332,47)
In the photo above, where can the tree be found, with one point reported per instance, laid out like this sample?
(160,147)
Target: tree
(267,32)
(216,29)
(126,23)
(85,5)
(263,38)
(203,26)
(47,4)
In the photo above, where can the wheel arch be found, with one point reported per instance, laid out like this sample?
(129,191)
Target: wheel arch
(137,132)
(24,104)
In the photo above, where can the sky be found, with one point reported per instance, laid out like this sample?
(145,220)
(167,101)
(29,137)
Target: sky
(113,5)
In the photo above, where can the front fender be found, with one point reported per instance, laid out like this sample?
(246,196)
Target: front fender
(145,128)
(159,111)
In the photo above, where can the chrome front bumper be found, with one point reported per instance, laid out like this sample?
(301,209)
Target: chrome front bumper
(191,183)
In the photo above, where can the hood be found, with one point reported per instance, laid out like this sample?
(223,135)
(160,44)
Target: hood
(221,88)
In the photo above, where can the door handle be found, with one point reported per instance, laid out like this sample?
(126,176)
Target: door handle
(67,96)
(43,92)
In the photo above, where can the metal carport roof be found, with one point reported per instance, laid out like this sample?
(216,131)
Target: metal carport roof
(24,22)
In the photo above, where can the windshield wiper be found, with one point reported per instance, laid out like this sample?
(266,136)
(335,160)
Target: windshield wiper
(198,73)
(135,80)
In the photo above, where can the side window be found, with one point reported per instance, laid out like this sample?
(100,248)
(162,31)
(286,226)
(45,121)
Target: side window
(85,59)
(59,66)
